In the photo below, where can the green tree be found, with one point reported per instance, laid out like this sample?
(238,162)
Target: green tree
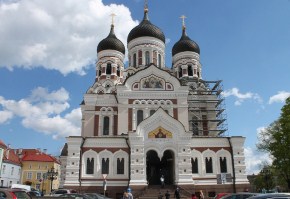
(275,140)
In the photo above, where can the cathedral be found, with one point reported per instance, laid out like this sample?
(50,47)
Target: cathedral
(148,120)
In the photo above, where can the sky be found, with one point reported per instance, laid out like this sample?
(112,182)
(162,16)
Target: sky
(48,55)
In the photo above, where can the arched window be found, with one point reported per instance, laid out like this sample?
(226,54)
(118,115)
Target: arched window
(140,57)
(189,69)
(159,60)
(155,57)
(223,165)
(106,125)
(109,69)
(120,166)
(100,72)
(208,165)
(118,71)
(180,71)
(134,60)
(105,165)
(194,165)
(139,116)
(147,58)
(90,166)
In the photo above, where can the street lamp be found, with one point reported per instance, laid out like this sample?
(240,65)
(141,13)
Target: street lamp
(52,175)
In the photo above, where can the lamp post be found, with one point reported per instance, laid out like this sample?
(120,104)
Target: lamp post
(52,175)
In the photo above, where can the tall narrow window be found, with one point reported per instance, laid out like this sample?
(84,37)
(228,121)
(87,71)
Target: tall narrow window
(106,125)
(147,58)
(194,125)
(139,116)
(120,166)
(130,61)
(155,57)
(140,57)
(118,71)
(223,165)
(100,71)
(194,165)
(189,69)
(134,60)
(105,165)
(159,60)
(208,165)
(109,69)
(180,71)
(90,166)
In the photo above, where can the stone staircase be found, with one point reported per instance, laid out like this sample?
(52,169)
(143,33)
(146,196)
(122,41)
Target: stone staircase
(152,192)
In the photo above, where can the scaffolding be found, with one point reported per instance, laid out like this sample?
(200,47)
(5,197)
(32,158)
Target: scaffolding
(206,108)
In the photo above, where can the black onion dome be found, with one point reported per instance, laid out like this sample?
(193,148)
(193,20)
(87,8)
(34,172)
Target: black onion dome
(146,29)
(111,42)
(185,44)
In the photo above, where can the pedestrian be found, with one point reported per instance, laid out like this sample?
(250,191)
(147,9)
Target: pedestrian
(130,195)
(177,193)
(167,195)
(160,196)
(162,181)
(201,196)
(193,196)
(125,195)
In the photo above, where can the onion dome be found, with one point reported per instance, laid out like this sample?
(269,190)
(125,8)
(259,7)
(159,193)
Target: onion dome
(111,42)
(185,44)
(146,29)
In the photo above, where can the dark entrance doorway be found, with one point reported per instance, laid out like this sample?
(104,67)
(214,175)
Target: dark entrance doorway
(155,168)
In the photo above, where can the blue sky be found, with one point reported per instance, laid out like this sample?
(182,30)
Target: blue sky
(48,51)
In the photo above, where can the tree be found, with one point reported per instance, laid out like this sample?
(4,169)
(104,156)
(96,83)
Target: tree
(275,140)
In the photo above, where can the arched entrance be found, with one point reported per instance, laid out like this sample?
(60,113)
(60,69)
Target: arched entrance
(155,168)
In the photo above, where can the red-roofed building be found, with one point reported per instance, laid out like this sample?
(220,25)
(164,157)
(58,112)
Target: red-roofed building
(35,165)
(10,167)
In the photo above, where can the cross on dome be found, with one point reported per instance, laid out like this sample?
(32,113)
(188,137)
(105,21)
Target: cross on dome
(113,15)
(183,17)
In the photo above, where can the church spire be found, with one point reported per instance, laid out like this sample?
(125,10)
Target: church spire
(146,10)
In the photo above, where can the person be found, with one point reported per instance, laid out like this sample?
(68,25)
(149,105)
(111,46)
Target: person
(193,196)
(130,195)
(160,196)
(201,196)
(162,181)
(177,193)
(167,195)
(125,195)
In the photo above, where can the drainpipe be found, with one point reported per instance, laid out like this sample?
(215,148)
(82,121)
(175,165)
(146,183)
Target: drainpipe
(80,164)
(233,165)
(129,165)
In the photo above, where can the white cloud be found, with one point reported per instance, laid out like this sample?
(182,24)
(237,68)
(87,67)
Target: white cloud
(44,112)
(280,97)
(255,160)
(241,97)
(57,35)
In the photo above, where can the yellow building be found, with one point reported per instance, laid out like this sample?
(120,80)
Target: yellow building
(39,170)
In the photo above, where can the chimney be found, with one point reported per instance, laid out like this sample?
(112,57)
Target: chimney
(44,151)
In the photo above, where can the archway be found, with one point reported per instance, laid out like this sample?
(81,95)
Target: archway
(155,168)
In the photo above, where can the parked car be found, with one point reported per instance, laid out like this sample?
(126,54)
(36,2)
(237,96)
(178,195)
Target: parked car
(61,192)
(13,194)
(219,195)
(74,195)
(271,195)
(34,193)
(241,195)
(96,196)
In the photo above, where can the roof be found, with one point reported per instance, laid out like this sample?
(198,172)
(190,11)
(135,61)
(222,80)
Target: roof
(146,29)
(9,156)
(36,155)
(2,145)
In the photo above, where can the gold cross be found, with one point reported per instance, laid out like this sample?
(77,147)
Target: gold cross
(183,20)
(146,4)
(113,15)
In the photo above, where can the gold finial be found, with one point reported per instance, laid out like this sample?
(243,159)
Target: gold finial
(146,6)
(113,15)
(183,20)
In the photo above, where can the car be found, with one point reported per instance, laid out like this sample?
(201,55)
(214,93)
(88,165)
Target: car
(271,195)
(74,195)
(96,196)
(59,192)
(13,194)
(241,195)
(34,193)
(219,195)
